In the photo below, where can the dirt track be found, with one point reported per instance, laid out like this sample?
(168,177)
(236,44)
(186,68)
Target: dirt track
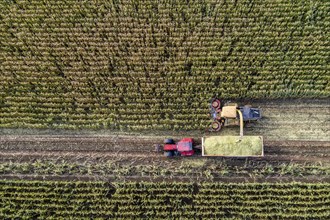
(25,148)
(293,132)
(128,151)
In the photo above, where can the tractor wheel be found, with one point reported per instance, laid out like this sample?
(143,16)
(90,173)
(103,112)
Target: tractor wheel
(168,153)
(216,103)
(216,126)
(169,141)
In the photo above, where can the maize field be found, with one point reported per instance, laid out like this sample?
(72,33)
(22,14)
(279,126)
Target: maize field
(88,89)
(131,200)
(145,64)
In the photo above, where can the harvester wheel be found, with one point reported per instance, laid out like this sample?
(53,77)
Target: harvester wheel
(169,141)
(216,126)
(216,103)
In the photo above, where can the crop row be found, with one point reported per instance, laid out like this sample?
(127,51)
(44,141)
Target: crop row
(113,167)
(117,61)
(20,199)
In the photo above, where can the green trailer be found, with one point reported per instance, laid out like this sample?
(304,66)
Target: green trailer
(233,146)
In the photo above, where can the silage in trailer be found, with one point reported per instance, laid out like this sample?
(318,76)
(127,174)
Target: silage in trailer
(232,146)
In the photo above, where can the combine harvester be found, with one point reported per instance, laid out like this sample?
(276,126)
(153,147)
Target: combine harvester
(222,146)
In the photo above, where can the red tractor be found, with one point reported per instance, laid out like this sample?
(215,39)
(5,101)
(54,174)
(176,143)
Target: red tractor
(182,148)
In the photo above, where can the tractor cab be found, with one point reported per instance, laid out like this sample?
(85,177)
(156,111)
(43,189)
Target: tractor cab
(185,147)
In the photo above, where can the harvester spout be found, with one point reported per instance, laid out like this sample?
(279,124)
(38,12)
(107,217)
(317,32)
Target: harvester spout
(240,124)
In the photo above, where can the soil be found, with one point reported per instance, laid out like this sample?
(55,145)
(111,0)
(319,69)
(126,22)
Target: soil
(294,131)
(126,150)
(13,147)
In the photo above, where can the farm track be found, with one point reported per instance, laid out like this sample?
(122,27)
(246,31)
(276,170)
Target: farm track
(306,128)
(139,151)
(27,148)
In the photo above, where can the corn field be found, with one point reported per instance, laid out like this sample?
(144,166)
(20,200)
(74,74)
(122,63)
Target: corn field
(146,64)
(132,200)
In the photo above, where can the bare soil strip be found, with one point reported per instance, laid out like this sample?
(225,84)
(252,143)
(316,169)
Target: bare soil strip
(294,131)
(133,151)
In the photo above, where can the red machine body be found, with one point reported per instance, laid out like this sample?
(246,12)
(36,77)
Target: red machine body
(188,153)
(168,147)
(184,148)
(186,144)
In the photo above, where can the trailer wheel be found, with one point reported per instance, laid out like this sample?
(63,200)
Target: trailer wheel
(216,126)
(216,103)
(168,153)
(169,141)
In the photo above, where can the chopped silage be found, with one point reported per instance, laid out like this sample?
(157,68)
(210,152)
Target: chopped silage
(230,146)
